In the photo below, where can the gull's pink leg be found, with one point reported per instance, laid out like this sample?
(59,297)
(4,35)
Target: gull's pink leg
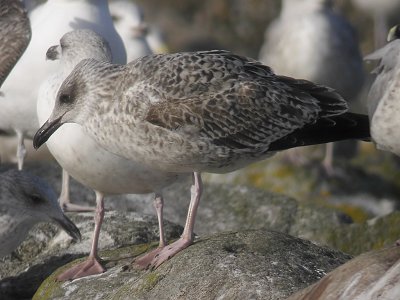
(91,266)
(186,238)
(65,201)
(145,260)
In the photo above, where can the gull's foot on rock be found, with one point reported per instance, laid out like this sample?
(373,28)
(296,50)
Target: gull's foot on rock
(163,254)
(144,261)
(91,266)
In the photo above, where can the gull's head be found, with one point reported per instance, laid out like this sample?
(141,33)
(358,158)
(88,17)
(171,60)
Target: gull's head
(128,19)
(290,7)
(28,197)
(394,33)
(70,103)
(80,44)
(91,82)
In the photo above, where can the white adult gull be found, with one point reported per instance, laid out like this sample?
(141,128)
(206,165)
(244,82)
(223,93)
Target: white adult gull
(26,200)
(380,11)
(82,157)
(197,112)
(310,40)
(129,22)
(384,95)
(48,22)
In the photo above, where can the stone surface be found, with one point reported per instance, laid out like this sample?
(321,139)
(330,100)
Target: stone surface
(48,248)
(239,265)
(373,275)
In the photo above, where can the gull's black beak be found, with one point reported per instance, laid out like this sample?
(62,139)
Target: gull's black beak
(69,227)
(53,53)
(44,132)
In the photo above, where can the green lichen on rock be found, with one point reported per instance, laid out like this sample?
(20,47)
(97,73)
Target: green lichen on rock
(370,235)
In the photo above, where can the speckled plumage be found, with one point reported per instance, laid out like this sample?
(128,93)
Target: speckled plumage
(383,97)
(24,201)
(15,34)
(198,111)
(205,111)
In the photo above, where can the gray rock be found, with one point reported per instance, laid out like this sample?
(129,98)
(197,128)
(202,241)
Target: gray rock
(373,275)
(239,265)
(48,248)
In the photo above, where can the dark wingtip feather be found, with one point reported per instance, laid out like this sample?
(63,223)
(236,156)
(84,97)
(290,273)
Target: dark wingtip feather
(325,130)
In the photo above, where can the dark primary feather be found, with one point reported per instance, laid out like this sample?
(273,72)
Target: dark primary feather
(15,34)
(326,130)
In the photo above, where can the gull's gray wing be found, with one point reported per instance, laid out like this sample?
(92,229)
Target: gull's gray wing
(15,34)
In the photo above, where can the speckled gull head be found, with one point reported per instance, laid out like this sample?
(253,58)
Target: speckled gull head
(24,201)
(77,98)
(71,46)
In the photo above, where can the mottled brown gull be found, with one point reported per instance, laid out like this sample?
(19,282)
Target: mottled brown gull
(84,158)
(198,112)
(15,34)
(26,200)
(384,95)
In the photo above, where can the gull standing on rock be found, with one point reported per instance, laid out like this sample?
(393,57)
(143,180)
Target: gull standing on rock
(26,200)
(82,157)
(311,41)
(48,22)
(129,23)
(384,95)
(196,112)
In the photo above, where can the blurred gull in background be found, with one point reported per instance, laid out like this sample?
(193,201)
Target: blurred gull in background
(380,10)
(384,95)
(49,21)
(129,23)
(311,41)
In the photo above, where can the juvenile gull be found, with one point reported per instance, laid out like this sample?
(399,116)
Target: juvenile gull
(129,23)
(15,34)
(384,97)
(24,201)
(198,112)
(49,22)
(310,40)
(84,158)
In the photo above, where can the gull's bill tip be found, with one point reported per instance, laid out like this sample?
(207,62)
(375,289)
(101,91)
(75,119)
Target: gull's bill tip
(44,132)
(69,227)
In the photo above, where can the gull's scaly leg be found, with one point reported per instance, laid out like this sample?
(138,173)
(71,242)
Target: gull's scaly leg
(64,199)
(145,260)
(187,237)
(91,265)
(21,151)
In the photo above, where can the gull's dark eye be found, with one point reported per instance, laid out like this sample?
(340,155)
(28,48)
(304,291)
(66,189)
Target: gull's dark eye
(65,98)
